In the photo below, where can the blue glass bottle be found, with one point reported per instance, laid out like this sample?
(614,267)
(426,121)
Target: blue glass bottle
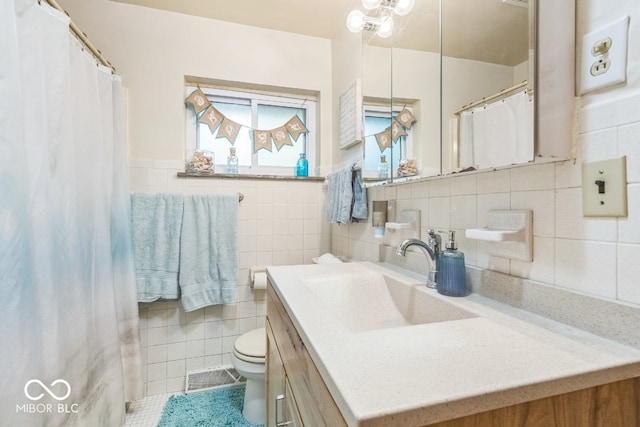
(302,166)
(452,280)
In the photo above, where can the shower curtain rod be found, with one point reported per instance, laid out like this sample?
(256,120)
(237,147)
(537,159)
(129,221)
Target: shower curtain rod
(83,37)
(494,96)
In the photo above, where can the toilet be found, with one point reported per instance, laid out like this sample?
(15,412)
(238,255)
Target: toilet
(248,359)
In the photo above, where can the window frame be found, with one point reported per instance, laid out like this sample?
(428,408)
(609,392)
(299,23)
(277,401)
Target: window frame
(372,109)
(253,99)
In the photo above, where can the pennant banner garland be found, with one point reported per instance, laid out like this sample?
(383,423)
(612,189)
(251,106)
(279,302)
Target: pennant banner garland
(199,101)
(398,129)
(384,139)
(406,119)
(296,127)
(227,128)
(211,117)
(261,139)
(281,137)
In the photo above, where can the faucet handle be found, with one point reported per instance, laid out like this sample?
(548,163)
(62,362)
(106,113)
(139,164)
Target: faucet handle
(434,237)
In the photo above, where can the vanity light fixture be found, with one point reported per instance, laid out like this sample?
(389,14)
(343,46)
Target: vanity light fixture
(380,17)
(358,21)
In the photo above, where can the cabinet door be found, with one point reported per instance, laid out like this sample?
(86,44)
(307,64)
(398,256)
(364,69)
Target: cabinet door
(292,416)
(281,406)
(275,378)
(314,401)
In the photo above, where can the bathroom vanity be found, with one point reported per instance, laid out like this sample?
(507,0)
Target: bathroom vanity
(288,362)
(361,344)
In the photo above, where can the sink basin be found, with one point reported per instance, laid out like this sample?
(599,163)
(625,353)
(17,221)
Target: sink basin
(372,300)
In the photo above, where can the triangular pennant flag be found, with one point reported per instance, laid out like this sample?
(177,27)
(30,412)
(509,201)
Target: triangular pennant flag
(199,101)
(212,118)
(229,129)
(281,137)
(384,138)
(295,127)
(406,119)
(261,139)
(397,130)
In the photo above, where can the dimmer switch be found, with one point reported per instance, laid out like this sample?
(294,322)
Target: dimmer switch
(604,187)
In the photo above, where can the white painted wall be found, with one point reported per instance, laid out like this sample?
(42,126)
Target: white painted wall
(153,51)
(346,63)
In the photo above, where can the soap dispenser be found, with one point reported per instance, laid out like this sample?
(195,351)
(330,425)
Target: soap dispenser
(451,271)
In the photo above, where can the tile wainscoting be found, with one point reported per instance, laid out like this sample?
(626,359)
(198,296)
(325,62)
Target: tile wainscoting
(281,222)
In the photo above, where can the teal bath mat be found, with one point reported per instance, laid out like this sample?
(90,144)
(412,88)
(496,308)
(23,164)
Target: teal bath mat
(221,407)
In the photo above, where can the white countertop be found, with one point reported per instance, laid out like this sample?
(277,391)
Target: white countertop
(421,374)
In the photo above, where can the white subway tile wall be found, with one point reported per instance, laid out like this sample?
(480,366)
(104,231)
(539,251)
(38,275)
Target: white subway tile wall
(280,223)
(596,256)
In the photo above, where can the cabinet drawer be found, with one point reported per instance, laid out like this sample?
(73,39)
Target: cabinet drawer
(316,405)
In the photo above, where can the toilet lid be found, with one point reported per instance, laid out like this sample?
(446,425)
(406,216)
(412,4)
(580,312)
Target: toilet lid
(252,344)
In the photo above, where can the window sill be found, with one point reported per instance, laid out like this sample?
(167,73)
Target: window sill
(247,176)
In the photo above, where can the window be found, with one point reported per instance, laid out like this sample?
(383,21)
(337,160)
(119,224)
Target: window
(255,111)
(376,119)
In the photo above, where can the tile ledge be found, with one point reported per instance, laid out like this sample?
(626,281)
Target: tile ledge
(248,176)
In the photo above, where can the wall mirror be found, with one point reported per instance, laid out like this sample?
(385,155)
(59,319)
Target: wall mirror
(455,79)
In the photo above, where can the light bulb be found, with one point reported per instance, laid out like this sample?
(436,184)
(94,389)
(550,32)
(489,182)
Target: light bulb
(355,21)
(371,4)
(386,28)
(403,7)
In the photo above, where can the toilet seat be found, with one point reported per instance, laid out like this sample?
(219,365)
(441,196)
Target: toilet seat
(251,346)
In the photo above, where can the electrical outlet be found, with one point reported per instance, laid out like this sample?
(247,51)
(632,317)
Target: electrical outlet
(603,59)
(601,66)
(601,47)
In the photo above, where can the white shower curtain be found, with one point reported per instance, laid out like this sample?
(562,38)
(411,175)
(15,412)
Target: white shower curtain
(498,134)
(465,136)
(70,350)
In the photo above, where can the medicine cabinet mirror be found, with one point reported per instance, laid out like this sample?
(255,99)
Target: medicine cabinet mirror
(471,83)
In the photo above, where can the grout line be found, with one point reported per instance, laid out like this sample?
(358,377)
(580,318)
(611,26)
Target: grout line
(146,412)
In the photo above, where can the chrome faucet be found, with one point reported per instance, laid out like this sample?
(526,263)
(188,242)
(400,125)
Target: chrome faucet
(429,251)
(435,241)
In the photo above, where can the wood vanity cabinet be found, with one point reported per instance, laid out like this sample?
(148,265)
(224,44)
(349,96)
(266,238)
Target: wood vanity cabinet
(296,393)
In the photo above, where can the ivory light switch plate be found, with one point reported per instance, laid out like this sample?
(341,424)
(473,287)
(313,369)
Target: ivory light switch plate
(604,188)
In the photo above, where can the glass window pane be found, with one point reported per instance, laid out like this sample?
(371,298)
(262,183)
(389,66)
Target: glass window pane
(254,111)
(372,126)
(270,117)
(220,146)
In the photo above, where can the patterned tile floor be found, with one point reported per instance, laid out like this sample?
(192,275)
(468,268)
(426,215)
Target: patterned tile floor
(146,412)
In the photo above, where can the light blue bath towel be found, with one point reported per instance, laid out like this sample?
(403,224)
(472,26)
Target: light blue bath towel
(360,203)
(340,196)
(209,251)
(346,198)
(157,222)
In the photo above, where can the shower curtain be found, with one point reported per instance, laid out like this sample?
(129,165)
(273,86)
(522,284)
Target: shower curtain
(498,134)
(69,349)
